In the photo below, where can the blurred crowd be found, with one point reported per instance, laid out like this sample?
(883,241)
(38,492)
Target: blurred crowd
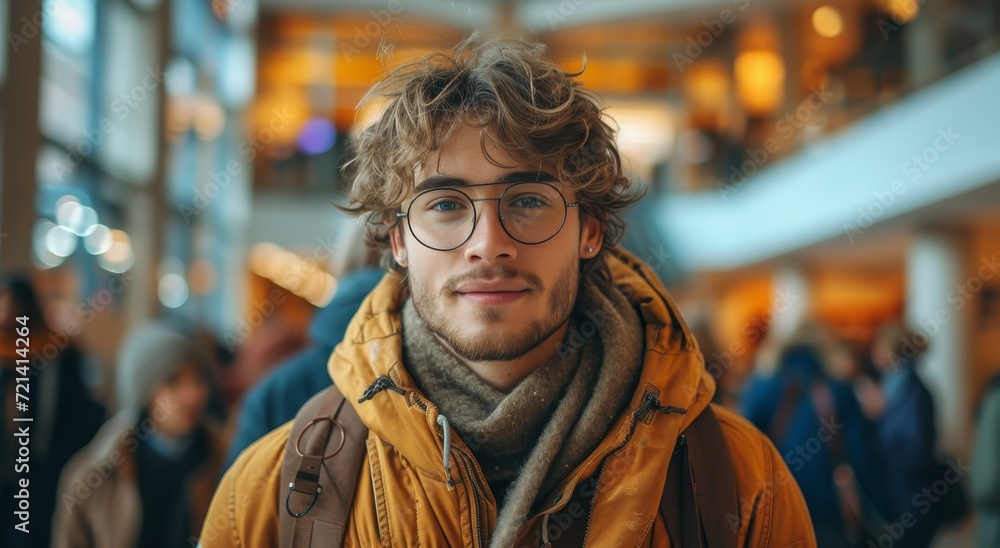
(138,467)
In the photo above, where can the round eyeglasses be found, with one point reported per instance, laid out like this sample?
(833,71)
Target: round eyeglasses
(444,219)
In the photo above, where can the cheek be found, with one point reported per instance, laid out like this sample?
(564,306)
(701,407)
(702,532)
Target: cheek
(430,267)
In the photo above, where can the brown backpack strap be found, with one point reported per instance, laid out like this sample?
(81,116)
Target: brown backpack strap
(322,465)
(699,496)
(843,472)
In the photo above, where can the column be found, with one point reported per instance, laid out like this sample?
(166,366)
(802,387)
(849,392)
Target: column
(20,136)
(790,301)
(935,269)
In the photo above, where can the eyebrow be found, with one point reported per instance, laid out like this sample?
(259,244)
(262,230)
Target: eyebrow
(441,181)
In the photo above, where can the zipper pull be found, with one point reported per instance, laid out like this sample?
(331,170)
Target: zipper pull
(651,402)
(380,384)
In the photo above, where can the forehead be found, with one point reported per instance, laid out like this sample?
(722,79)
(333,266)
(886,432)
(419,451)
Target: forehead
(461,156)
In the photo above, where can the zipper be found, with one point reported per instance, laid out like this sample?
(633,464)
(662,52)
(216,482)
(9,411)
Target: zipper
(650,402)
(473,474)
(477,494)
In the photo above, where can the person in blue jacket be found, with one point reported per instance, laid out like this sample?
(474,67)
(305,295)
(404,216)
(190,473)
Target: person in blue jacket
(276,399)
(907,431)
(816,423)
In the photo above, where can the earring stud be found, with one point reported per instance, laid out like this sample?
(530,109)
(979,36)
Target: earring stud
(590,250)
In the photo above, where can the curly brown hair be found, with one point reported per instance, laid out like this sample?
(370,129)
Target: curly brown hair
(523,104)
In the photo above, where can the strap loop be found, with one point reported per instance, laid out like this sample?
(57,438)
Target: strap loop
(288,499)
(335,422)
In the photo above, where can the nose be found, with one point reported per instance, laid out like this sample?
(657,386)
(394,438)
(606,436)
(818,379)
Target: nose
(489,241)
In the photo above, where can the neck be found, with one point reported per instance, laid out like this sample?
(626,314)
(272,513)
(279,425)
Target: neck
(504,375)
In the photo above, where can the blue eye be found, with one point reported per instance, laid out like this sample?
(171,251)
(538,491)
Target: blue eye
(445,205)
(529,202)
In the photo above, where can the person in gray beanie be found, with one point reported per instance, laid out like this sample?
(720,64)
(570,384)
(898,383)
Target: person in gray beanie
(148,475)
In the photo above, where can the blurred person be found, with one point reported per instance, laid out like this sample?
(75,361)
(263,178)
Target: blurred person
(516,369)
(907,431)
(868,388)
(146,479)
(255,356)
(813,417)
(279,396)
(722,371)
(985,473)
(64,415)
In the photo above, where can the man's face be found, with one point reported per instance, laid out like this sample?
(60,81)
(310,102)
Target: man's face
(493,298)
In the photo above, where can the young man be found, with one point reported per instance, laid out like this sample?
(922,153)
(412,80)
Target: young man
(523,382)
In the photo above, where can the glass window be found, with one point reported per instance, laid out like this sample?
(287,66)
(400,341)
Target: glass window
(130,99)
(237,71)
(70,24)
(64,98)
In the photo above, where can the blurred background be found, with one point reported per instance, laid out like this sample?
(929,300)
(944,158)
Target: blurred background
(830,161)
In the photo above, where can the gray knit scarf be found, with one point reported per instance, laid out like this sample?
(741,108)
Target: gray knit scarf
(527,440)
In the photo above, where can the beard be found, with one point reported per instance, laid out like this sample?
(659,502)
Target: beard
(497,342)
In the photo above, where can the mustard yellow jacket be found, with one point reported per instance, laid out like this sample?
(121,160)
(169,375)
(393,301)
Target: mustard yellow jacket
(403,499)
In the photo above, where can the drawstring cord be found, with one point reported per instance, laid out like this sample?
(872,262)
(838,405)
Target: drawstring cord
(443,421)
(546,543)
(385,383)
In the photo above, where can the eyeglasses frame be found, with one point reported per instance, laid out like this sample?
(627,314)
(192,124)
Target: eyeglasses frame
(475,211)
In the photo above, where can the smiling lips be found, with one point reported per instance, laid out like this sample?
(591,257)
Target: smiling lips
(492,293)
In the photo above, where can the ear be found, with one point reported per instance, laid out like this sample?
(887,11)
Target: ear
(591,237)
(398,246)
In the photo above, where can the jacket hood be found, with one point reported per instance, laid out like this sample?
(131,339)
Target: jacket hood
(801,363)
(673,371)
(329,324)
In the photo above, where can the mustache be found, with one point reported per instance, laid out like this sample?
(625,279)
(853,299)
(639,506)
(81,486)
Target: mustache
(492,273)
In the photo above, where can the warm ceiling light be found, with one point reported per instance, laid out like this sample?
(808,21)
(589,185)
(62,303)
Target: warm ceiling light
(827,21)
(707,86)
(760,80)
(903,11)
